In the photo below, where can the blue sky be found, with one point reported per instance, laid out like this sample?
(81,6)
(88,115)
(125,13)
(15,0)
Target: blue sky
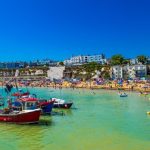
(57,29)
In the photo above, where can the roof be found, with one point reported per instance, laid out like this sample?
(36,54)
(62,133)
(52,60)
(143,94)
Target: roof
(30,99)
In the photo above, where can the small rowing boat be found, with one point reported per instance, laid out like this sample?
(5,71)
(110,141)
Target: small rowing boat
(123,95)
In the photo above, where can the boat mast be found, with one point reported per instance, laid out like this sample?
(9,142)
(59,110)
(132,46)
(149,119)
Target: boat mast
(15,78)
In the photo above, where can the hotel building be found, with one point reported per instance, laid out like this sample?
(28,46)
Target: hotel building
(83,59)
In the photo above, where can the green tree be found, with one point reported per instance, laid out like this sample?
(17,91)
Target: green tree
(106,75)
(105,72)
(117,59)
(126,61)
(92,67)
(142,59)
(61,63)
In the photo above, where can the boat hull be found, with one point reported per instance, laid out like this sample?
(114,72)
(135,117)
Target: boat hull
(22,117)
(47,109)
(65,105)
(123,95)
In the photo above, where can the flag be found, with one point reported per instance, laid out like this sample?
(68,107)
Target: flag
(8,88)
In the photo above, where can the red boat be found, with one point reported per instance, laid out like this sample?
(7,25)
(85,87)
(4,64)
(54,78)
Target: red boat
(18,94)
(20,117)
(33,103)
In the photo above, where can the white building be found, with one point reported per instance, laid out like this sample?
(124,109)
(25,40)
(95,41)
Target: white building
(129,71)
(117,72)
(67,62)
(136,71)
(140,70)
(55,72)
(39,72)
(76,59)
(79,60)
(134,61)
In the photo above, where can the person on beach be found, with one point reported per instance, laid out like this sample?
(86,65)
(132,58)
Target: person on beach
(132,87)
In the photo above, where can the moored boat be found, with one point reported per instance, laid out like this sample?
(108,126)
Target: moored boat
(65,105)
(20,117)
(59,103)
(31,103)
(46,106)
(123,95)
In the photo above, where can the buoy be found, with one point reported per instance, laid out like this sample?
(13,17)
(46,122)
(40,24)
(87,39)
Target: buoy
(148,112)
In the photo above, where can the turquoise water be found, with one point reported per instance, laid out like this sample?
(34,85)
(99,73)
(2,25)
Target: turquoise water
(101,121)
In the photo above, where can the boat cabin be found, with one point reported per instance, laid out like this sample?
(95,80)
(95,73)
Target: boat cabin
(25,104)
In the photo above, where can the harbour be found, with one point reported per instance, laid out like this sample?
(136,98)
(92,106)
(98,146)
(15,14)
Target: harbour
(99,120)
(74,75)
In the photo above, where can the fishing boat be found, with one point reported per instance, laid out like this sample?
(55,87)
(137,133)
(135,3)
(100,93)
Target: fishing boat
(20,117)
(31,103)
(60,103)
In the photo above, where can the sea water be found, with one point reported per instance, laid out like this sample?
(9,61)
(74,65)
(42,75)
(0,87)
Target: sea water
(99,120)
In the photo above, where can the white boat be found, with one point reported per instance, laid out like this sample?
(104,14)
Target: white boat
(60,103)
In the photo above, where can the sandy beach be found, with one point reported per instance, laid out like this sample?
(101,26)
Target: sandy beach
(142,86)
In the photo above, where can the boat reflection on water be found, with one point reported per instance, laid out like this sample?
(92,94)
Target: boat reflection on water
(62,112)
(45,121)
(26,134)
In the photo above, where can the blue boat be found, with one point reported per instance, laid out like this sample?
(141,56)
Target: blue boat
(46,106)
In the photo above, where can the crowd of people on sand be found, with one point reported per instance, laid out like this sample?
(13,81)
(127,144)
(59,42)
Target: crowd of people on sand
(141,86)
